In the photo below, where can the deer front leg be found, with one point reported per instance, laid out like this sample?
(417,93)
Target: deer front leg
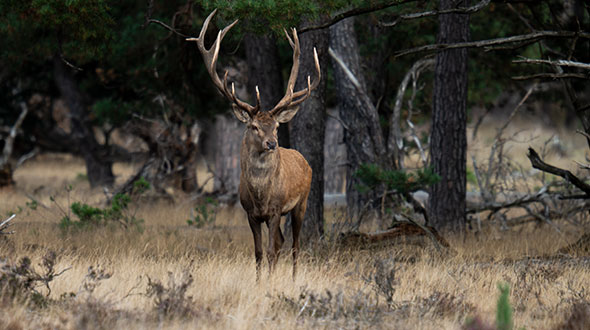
(275,241)
(257,233)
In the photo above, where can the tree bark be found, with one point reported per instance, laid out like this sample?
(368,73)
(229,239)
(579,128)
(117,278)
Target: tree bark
(449,140)
(264,71)
(227,138)
(363,135)
(98,167)
(307,129)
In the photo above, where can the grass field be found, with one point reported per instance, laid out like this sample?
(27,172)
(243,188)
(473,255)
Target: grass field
(172,275)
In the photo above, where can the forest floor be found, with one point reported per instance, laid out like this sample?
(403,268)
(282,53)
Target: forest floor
(172,275)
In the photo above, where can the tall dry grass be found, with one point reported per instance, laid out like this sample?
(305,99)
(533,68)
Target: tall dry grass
(392,286)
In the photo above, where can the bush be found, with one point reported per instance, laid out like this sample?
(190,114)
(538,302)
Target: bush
(90,216)
(371,176)
(172,300)
(204,213)
(20,280)
(118,212)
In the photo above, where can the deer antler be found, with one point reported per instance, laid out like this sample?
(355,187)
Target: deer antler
(210,58)
(291,98)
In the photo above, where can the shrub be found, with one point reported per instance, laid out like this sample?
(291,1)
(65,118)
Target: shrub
(21,280)
(118,212)
(172,300)
(371,176)
(204,213)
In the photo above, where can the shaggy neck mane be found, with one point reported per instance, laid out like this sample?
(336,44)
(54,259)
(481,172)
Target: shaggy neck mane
(258,168)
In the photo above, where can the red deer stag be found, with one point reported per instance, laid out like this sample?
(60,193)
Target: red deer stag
(274,181)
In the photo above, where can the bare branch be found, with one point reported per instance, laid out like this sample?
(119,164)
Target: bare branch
(353,12)
(346,70)
(586,135)
(524,98)
(395,141)
(496,206)
(535,36)
(167,27)
(9,141)
(537,163)
(462,10)
(553,76)
(149,20)
(567,63)
(5,224)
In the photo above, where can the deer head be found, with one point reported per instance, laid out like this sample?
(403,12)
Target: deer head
(261,125)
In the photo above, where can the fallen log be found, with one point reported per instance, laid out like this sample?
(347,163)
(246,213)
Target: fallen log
(400,230)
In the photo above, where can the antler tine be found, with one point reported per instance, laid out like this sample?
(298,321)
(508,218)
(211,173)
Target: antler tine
(305,96)
(316,82)
(257,98)
(294,72)
(296,98)
(289,38)
(232,96)
(210,58)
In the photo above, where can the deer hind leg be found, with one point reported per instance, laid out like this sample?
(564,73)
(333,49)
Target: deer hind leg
(297,216)
(257,233)
(275,241)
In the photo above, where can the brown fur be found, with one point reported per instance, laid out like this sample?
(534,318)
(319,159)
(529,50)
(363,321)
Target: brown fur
(272,183)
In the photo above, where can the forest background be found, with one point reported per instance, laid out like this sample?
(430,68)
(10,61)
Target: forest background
(420,128)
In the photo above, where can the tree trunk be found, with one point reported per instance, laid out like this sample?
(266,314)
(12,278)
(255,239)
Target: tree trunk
(264,71)
(6,175)
(98,168)
(449,141)
(227,138)
(307,129)
(362,133)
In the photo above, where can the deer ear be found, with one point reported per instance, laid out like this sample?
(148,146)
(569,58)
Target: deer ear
(241,114)
(286,115)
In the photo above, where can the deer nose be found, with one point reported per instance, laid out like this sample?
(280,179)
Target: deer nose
(271,145)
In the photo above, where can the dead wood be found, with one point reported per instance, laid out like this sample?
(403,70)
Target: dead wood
(537,163)
(393,235)
(517,41)
(5,224)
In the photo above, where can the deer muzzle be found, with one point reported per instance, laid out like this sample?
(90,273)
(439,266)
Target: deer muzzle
(270,145)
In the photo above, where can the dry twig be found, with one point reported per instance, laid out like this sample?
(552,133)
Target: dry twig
(5,224)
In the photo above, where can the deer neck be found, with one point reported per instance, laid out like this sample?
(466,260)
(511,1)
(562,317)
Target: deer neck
(258,168)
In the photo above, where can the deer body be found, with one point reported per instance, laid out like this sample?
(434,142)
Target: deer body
(273,181)
(265,185)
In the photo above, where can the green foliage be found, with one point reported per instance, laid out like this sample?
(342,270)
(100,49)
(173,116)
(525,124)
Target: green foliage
(140,186)
(119,212)
(109,111)
(504,310)
(372,175)
(277,14)
(204,213)
(87,214)
(80,30)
